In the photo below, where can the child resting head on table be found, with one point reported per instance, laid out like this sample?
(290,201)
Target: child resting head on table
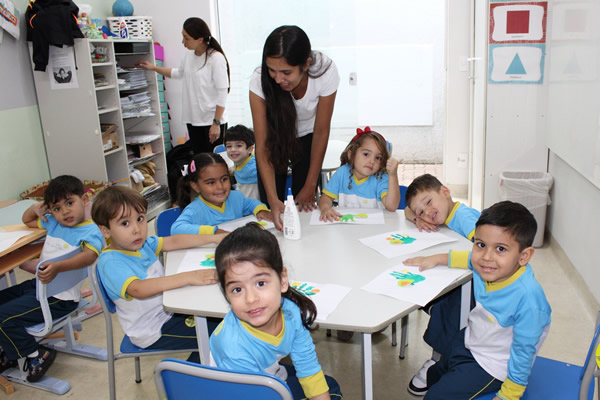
(208,184)
(268,319)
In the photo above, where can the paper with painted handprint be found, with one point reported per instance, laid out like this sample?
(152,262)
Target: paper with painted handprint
(236,223)
(405,241)
(325,296)
(411,285)
(359,216)
(198,258)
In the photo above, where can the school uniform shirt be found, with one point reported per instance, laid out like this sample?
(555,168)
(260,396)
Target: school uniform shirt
(507,327)
(202,217)
(63,239)
(205,86)
(322,86)
(141,319)
(462,219)
(352,193)
(238,346)
(247,178)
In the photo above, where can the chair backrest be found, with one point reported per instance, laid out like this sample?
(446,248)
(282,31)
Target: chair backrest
(63,280)
(165,219)
(219,148)
(402,204)
(105,301)
(176,379)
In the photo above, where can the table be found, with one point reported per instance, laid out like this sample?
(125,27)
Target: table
(327,254)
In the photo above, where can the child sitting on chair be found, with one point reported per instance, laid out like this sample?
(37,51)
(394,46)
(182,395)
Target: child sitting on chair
(67,228)
(134,278)
(268,319)
(368,177)
(511,318)
(239,143)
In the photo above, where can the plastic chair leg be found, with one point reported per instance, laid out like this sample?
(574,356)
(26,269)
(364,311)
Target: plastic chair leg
(138,372)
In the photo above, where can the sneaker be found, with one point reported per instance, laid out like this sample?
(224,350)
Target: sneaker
(345,336)
(5,363)
(37,366)
(418,384)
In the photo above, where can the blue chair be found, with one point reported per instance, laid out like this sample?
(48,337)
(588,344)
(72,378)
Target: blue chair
(67,324)
(551,379)
(402,204)
(178,380)
(219,148)
(164,220)
(127,349)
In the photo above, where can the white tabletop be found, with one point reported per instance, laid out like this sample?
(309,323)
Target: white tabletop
(325,254)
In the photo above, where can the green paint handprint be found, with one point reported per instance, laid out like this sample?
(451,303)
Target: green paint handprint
(400,239)
(406,278)
(209,262)
(303,289)
(350,217)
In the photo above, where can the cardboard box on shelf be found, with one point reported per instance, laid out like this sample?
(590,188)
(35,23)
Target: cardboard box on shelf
(145,150)
(110,140)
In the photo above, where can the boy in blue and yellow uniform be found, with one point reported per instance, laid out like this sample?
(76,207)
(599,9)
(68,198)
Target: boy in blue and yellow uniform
(511,317)
(67,228)
(239,143)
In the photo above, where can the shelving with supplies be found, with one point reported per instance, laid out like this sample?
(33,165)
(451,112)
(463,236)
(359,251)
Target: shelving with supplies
(74,119)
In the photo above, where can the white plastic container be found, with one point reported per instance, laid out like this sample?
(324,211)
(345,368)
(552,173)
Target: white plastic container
(291,219)
(530,189)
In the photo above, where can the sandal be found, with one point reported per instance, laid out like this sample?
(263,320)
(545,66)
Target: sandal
(37,366)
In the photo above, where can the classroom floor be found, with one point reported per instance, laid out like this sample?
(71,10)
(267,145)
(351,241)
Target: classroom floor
(573,319)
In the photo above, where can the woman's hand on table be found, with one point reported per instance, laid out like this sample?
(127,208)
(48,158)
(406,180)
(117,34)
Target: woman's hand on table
(305,199)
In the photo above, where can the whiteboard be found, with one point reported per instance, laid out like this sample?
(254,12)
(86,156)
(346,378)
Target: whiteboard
(574,89)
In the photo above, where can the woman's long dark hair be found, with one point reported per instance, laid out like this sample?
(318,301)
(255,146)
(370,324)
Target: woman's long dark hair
(185,193)
(252,243)
(197,28)
(291,43)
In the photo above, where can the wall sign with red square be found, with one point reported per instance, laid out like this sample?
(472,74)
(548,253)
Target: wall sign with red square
(519,22)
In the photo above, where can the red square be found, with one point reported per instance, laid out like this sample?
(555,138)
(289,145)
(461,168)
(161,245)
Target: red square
(517,22)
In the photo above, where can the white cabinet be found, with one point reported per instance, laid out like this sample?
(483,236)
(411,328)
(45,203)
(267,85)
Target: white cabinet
(72,118)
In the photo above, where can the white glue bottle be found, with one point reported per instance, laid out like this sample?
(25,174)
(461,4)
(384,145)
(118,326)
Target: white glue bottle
(291,219)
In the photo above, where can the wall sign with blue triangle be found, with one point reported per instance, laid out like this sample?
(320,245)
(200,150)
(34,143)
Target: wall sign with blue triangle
(516,63)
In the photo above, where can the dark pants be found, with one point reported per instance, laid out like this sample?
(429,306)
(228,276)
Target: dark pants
(457,376)
(200,140)
(299,173)
(297,392)
(19,309)
(444,320)
(180,333)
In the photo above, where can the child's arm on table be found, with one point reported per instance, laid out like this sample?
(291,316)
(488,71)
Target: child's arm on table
(264,214)
(327,211)
(141,289)
(427,262)
(421,225)
(392,199)
(177,242)
(35,211)
(48,271)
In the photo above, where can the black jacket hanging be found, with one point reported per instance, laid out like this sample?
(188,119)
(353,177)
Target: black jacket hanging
(50,22)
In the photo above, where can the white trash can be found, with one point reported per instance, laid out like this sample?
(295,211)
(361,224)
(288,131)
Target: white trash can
(532,190)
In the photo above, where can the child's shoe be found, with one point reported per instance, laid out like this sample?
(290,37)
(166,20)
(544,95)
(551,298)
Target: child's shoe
(37,366)
(5,363)
(418,384)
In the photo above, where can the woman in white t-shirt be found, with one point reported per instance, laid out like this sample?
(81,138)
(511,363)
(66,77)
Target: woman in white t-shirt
(291,97)
(205,74)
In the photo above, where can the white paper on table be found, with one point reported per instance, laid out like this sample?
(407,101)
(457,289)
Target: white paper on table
(198,258)
(409,284)
(359,216)
(237,223)
(405,241)
(7,239)
(326,296)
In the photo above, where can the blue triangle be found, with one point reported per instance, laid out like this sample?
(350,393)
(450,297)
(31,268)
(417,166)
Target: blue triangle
(516,67)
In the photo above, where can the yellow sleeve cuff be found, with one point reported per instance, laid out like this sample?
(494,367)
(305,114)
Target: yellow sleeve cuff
(510,390)
(329,194)
(458,259)
(207,230)
(160,246)
(259,208)
(124,294)
(314,385)
(89,246)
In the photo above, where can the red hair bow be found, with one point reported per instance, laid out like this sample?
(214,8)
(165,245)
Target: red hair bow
(360,132)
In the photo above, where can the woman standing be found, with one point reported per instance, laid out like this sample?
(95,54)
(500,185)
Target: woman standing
(291,97)
(205,73)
